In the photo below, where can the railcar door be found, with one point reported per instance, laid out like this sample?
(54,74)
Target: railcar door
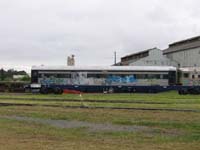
(172,77)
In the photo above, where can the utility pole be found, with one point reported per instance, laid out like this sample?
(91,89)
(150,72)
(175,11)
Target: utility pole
(115,58)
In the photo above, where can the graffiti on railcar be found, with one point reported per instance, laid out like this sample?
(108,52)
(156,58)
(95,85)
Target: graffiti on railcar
(81,78)
(54,81)
(114,79)
(190,82)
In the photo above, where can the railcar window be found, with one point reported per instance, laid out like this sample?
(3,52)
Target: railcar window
(96,75)
(153,76)
(40,75)
(186,75)
(147,76)
(49,75)
(108,75)
(35,73)
(137,76)
(158,76)
(64,75)
(140,76)
(34,77)
(193,76)
(165,76)
(55,75)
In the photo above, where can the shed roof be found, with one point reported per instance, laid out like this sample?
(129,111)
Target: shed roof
(140,52)
(183,45)
(190,69)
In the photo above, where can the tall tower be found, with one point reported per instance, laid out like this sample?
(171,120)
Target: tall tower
(71,60)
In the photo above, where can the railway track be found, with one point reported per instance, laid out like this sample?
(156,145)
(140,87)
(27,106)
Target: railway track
(101,107)
(93,101)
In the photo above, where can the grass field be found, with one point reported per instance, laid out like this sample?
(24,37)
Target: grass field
(48,123)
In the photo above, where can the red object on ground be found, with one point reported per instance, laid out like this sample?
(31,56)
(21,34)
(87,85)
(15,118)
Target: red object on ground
(71,92)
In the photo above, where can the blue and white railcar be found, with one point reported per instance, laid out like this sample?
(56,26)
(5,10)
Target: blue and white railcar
(189,78)
(100,79)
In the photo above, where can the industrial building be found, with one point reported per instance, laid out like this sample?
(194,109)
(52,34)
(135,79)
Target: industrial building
(186,52)
(181,54)
(150,57)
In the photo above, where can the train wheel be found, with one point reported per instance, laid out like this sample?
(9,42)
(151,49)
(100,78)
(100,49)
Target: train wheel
(44,91)
(180,92)
(183,92)
(111,90)
(58,91)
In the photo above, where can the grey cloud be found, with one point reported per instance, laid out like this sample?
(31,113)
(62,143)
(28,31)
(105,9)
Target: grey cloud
(35,32)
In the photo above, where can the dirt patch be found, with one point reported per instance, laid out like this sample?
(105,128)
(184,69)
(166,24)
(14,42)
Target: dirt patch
(97,127)
(93,127)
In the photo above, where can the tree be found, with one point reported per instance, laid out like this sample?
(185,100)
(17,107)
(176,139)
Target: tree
(26,78)
(2,74)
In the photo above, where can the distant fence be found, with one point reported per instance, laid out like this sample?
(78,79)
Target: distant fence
(18,87)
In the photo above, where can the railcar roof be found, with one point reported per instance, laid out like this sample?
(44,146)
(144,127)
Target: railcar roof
(107,68)
(190,69)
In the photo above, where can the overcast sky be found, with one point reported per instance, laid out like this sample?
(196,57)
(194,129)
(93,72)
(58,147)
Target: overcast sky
(35,32)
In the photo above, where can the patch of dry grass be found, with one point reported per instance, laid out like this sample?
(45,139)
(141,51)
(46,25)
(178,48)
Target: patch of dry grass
(172,130)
